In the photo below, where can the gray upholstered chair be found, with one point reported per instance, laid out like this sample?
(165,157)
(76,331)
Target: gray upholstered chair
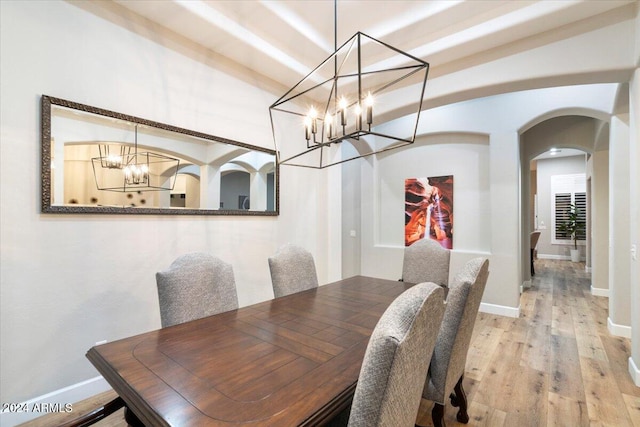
(426,261)
(292,270)
(396,360)
(196,285)
(450,354)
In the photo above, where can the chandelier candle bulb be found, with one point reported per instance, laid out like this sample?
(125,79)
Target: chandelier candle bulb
(313,115)
(136,174)
(328,122)
(114,162)
(369,103)
(358,112)
(307,128)
(343,111)
(109,160)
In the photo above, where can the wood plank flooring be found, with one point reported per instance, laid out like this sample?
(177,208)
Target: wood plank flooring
(555,365)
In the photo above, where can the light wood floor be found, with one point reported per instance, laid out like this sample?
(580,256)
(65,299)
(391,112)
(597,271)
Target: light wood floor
(555,365)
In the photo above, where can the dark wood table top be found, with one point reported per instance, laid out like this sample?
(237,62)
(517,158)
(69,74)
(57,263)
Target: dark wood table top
(289,361)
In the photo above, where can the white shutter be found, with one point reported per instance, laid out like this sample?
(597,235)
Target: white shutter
(567,190)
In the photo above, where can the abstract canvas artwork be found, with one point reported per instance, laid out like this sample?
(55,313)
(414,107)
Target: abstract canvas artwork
(428,210)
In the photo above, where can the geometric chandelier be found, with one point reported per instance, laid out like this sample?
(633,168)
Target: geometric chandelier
(341,101)
(122,168)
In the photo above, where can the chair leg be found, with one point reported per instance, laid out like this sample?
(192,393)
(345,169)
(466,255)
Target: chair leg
(459,399)
(437,415)
(533,271)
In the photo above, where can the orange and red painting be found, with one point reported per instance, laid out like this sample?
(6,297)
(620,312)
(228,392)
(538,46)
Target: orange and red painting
(428,210)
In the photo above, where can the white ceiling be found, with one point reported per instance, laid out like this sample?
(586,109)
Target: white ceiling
(281,41)
(559,152)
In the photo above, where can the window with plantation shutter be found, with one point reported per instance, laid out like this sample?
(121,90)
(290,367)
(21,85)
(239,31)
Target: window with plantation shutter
(567,190)
(580,200)
(562,203)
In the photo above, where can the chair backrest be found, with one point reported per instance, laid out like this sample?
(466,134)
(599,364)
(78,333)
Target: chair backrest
(196,285)
(452,345)
(397,358)
(292,270)
(535,235)
(426,261)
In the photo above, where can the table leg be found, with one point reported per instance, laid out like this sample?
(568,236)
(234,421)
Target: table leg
(131,418)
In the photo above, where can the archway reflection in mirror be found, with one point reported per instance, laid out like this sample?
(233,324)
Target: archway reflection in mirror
(89,155)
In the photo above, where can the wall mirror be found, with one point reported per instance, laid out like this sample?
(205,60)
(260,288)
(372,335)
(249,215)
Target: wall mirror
(100,161)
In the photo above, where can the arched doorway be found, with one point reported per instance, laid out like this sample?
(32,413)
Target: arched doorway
(569,176)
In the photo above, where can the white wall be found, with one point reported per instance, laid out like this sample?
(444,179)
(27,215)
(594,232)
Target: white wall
(351,224)
(68,281)
(464,156)
(599,172)
(619,224)
(634,166)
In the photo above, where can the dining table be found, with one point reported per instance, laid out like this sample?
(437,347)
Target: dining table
(289,361)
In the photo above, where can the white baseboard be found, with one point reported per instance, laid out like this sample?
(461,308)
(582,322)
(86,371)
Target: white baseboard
(559,257)
(552,256)
(500,310)
(634,371)
(61,400)
(618,330)
(599,292)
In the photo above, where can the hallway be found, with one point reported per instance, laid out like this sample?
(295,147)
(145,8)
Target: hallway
(556,365)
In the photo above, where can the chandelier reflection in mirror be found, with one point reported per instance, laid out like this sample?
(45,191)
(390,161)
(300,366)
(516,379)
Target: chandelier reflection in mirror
(122,168)
(344,99)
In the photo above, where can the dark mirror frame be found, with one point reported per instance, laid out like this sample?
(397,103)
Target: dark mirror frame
(47,207)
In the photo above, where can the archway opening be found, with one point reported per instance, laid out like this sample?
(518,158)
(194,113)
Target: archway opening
(557,174)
